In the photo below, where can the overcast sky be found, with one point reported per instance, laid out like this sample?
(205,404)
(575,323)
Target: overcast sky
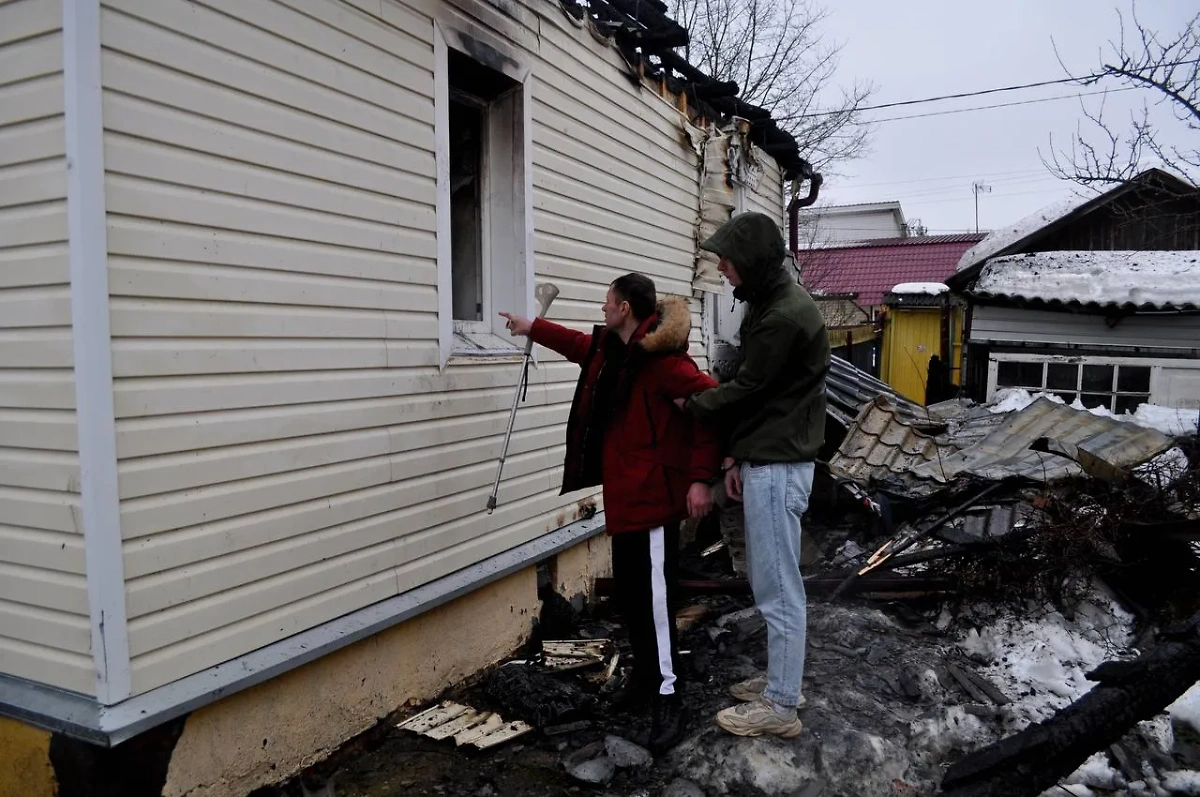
(937,47)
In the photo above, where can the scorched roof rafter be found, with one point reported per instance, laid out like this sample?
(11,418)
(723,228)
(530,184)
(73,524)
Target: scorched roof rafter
(642,30)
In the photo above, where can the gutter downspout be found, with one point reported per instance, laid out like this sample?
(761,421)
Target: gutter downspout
(794,206)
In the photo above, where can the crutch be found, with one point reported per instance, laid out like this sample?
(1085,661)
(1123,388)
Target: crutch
(545,294)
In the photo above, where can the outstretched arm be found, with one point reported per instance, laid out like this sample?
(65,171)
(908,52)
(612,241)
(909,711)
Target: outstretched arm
(567,342)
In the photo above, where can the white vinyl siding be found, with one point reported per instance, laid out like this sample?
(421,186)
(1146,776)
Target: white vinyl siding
(1000,325)
(289,449)
(45,629)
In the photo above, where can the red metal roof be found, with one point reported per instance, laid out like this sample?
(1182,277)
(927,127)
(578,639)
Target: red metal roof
(872,268)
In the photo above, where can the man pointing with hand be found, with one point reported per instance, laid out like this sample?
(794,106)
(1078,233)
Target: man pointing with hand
(654,462)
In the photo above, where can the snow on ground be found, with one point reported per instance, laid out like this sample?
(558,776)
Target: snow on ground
(1015,399)
(1040,660)
(1182,782)
(1165,469)
(1186,709)
(1168,420)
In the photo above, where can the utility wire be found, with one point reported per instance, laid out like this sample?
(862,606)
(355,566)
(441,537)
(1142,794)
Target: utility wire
(974,176)
(1002,105)
(1078,80)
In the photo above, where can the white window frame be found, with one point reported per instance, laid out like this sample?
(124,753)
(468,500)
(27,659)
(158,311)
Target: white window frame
(1156,365)
(512,289)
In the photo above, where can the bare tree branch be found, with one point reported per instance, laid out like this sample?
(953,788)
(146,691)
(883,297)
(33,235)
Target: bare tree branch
(1171,71)
(779,56)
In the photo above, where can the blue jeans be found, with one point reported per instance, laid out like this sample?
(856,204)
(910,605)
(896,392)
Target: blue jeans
(775,495)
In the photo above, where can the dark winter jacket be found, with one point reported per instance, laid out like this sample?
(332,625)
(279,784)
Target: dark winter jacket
(774,407)
(649,452)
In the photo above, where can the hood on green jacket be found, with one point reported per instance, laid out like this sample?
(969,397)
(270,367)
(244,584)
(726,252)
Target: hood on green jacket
(755,245)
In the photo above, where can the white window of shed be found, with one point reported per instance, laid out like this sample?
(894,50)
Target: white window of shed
(485,259)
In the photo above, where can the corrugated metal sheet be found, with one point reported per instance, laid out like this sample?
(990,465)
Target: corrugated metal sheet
(849,389)
(289,450)
(886,449)
(45,630)
(1006,451)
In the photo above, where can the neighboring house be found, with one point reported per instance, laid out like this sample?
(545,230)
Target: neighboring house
(834,224)
(253,387)
(1092,298)
(869,269)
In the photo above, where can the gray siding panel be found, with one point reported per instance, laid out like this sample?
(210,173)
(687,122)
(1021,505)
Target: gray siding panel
(999,325)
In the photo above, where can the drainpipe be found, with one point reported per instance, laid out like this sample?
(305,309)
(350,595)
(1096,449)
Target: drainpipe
(794,206)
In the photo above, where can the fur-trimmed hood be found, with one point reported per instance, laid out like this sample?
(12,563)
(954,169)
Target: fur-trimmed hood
(670,332)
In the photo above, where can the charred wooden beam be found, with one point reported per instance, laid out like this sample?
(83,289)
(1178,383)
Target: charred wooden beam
(1028,763)
(715,89)
(652,43)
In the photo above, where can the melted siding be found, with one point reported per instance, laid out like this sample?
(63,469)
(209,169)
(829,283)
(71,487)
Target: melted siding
(288,449)
(45,630)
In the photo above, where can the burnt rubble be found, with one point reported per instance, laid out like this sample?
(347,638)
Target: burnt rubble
(991,629)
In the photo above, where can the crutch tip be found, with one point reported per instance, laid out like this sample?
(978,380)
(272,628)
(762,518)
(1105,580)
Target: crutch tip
(491,504)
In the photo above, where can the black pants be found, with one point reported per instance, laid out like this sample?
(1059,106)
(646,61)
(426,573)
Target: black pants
(646,572)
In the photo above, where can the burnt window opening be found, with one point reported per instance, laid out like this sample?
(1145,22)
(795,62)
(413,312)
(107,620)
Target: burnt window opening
(484,147)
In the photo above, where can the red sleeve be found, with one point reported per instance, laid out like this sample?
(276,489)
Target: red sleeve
(681,378)
(567,342)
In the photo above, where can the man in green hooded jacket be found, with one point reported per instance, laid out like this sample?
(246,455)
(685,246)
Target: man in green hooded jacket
(774,413)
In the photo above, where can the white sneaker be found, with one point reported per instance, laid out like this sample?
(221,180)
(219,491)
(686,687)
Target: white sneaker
(759,718)
(752,689)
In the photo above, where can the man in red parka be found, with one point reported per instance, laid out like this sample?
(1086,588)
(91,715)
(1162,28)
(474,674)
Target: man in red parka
(654,462)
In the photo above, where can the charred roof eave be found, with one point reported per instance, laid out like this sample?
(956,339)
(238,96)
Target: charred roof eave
(642,30)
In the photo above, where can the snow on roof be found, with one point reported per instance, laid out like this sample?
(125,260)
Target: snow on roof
(921,288)
(1005,237)
(1143,280)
